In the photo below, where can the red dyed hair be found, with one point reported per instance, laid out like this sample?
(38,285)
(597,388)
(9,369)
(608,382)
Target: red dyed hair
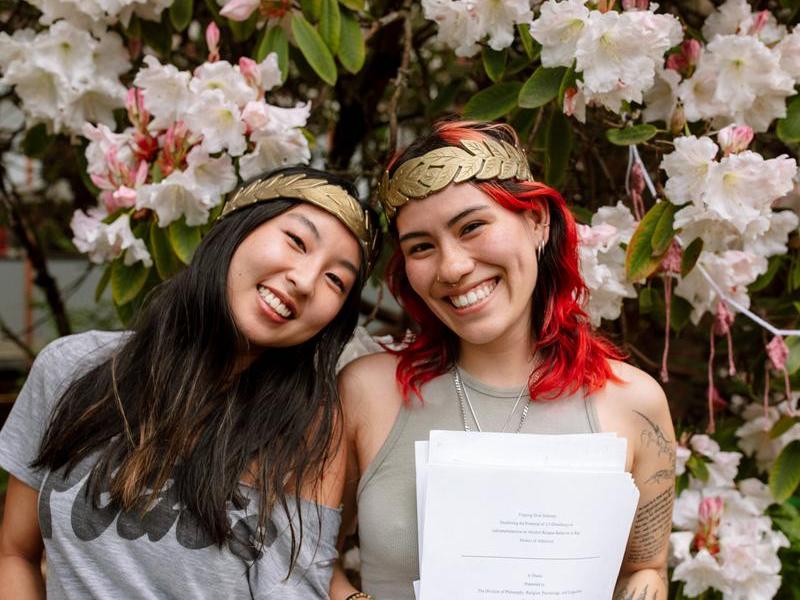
(573,356)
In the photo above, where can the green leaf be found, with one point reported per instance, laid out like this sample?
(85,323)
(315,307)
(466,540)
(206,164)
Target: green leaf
(631,135)
(788,129)
(793,360)
(493,102)
(773,266)
(167,264)
(531,47)
(494,63)
(180,14)
(690,256)
(242,30)
(330,24)
(541,87)
(158,36)
(522,121)
(646,300)
(274,39)
(102,284)
(697,467)
(782,425)
(639,261)
(314,49)
(569,80)
(787,518)
(184,239)
(559,146)
(785,473)
(311,8)
(664,232)
(795,275)
(352,51)
(444,98)
(127,281)
(35,141)
(356,5)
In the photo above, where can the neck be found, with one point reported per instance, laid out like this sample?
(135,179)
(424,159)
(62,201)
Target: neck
(505,362)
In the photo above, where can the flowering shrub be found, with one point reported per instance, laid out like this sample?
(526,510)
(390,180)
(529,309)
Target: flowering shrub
(673,131)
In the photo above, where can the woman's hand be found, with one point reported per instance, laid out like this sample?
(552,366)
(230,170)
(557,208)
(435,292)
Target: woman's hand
(21,545)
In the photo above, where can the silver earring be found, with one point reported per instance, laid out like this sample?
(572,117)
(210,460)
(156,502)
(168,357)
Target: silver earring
(540,249)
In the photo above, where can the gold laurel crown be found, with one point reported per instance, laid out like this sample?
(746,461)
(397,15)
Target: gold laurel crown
(319,192)
(435,170)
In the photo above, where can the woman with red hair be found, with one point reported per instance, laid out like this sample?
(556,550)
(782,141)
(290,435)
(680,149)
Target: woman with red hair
(487,265)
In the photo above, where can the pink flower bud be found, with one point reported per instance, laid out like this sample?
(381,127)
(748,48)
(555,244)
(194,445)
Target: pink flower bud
(239,10)
(778,352)
(691,49)
(605,5)
(212,40)
(249,68)
(635,4)
(723,319)
(710,510)
(677,62)
(735,138)
(123,197)
(569,101)
(759,22)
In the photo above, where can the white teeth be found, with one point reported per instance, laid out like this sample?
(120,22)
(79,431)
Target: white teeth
(474,295)
(274,302)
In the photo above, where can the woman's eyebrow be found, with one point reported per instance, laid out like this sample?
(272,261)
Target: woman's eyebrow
(348,265)
(308,223)
(464,213)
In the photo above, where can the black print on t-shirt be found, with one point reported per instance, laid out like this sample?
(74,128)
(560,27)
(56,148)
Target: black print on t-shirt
(89,521)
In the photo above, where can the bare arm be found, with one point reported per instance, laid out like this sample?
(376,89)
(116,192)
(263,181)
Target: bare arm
(21,545)
(644,569)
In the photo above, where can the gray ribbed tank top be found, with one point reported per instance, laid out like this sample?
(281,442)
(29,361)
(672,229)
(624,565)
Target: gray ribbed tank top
(387,510)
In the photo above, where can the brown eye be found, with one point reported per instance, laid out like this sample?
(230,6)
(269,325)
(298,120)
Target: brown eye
(297,240)
(337,281)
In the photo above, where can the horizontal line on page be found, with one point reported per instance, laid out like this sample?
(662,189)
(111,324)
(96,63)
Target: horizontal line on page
(531,557)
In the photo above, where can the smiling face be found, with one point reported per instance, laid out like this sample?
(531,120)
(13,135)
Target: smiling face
(472,262)
(290,277)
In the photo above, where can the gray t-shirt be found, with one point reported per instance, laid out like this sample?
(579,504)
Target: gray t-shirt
(162,553)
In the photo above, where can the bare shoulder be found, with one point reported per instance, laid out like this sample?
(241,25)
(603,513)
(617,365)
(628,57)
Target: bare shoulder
(636,391)
(367,378)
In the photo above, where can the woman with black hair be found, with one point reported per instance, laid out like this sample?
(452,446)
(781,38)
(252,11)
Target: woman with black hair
(199,454)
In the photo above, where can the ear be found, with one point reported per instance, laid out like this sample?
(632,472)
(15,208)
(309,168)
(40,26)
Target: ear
(539,219)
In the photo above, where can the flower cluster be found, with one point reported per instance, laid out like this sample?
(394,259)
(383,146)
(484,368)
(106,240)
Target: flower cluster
(64,75)
(616,53)
(602,261)
(754,435)
(463,23)
(86,13)
(723,539)
(177,159)
(744,73)
(727,203)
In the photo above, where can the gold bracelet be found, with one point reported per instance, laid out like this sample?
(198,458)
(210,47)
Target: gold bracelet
(357,595)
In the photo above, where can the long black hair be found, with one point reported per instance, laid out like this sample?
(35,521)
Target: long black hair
(169,404)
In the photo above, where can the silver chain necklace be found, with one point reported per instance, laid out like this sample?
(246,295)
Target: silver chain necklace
(464,402)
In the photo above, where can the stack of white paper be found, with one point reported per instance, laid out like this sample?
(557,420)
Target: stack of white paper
(505,515)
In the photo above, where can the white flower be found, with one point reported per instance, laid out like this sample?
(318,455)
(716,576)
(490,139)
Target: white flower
(213,177)
(732,271)
(105,242)
(618,53)
(602,261)
(741,186)
(688,168)
(754,438)
(774,240)
(734,16)
(88,13)
(458,25)
(788,51)
(698,93)
(557,29)
(682,454)
(11,117)
(173,198)
(223,76)
(218,120)
(279,142)
(165,90)
(661,99)
(497,18)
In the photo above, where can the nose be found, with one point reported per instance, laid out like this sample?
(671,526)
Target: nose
(455,264)
(302,278)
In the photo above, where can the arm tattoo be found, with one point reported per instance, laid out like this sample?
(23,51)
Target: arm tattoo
(661,475)
(624,594)
(651,528)
(654,435)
